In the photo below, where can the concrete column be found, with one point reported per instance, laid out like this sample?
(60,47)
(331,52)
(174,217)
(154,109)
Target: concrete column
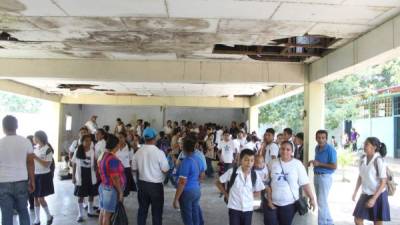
(253,119)
(59,128)
(314,116)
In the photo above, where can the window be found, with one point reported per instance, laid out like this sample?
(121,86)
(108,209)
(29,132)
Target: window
(68,122)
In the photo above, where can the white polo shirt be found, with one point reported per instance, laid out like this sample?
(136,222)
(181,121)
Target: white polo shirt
(125,156)
(44,153)
(294,173)
(14,150)
(271,149)
(227,150)
(241,193)
(150,162)
(99,148)
(369,176)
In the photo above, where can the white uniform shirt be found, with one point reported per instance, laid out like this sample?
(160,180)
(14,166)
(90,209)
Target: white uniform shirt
(241,193)
(45,154)
(227,150)
(13,155)
(271,149)
(150,162)
(263,174)
(369,176)
(168,130)
(91,126)
(75,144)
(99,148)
(218,136)
(88,162)
(125,156)
(295,173)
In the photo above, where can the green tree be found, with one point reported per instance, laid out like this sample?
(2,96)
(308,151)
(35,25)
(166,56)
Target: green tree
(18,104)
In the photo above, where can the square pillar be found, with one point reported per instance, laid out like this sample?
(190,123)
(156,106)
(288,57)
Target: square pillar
(253,119)
(314,116)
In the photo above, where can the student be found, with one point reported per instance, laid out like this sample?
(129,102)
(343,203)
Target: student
(31,198)
(43,175)
(74,146)
(112,181)
(287,175)
(299,148)
(269,149)
(240,196)
(100,145)
(120,127)
(373,204)
(84,176)
(190,173)
(227,149)
(163,142)
(262,171)
(125,154)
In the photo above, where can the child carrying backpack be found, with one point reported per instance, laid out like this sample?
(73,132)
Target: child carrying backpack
(242,183)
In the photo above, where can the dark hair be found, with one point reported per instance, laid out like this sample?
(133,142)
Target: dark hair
(139,120)
(10,123)
(189,143)
(146,124)
(83,128)
(162,134)
(42,137)
(106,128)
(30,138)
(234,135)
(270,130)
(288,143)
(225,132)
(112,142)
(80,152)
(103,132)
(119,120)
(245,152)
(300,136)
(380,146)
(288,131)
(322,132)
(123,133)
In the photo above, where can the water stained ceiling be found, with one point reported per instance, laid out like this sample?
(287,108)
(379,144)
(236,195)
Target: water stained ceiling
(175,29)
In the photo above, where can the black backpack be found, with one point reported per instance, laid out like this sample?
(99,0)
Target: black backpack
(233,178)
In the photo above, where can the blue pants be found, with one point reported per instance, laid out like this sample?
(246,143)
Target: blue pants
(14,195)
(240,218)
(190,207)
(210,170)
(282,215)
(150,194)
(322,185)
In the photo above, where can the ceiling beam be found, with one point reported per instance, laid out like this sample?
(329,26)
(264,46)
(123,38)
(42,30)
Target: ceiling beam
(22,89)
(154,71)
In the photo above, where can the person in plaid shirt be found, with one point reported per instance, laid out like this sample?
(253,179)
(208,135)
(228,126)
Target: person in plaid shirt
(111,189)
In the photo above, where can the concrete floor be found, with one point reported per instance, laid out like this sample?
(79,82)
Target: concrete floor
(64,207)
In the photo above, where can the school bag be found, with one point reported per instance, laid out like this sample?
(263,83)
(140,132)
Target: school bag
(390,183)
(233,178)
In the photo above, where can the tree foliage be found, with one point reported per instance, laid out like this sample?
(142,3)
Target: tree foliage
(342,98)
(18,104)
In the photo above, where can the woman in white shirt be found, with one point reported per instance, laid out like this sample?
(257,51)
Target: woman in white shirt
(287,175)
(43,175)
(125,155)
(373,203)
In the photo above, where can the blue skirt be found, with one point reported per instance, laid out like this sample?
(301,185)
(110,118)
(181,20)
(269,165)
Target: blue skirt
(380,211)
(44,185)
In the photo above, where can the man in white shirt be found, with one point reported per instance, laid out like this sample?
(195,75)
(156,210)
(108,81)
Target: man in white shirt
(269,149)
(16,166)
(92,124)
(227,150)
(168,128)
(151,164)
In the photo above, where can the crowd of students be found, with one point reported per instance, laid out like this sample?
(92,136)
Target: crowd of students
(111,164)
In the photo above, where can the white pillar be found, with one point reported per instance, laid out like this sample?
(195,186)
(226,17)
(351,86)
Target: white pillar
(253,119)
(314,116)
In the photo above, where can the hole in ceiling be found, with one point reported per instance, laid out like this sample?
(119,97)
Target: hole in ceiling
(292,49)
(74,87)
(4,36)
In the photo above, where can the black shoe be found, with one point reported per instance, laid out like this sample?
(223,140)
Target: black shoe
(98,211)
(80,219)
(92,215)
(50,221)
(95,207)
(36,223)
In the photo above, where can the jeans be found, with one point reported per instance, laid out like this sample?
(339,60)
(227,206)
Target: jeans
(190,207)
(240,218)
(150,194)
(14,195)
(282,215)
(322,184)
(210,170)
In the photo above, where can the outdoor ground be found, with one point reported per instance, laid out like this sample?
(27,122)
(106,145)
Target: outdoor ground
(64,207)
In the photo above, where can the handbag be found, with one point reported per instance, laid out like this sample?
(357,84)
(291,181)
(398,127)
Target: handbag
(301,204)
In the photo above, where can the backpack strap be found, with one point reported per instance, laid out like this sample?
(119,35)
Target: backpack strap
(376,165)
(253,178)
(232,180)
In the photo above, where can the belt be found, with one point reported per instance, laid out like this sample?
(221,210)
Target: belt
(318,173)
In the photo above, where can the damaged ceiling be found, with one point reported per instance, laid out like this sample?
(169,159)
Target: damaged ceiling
(176,29)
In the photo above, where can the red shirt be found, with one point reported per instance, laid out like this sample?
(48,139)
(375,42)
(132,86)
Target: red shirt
(111,166)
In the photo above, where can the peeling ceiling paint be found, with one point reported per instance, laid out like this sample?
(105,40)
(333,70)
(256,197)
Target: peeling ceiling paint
(156,29)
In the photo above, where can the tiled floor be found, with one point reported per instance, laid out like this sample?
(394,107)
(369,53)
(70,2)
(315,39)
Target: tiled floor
(64,207)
